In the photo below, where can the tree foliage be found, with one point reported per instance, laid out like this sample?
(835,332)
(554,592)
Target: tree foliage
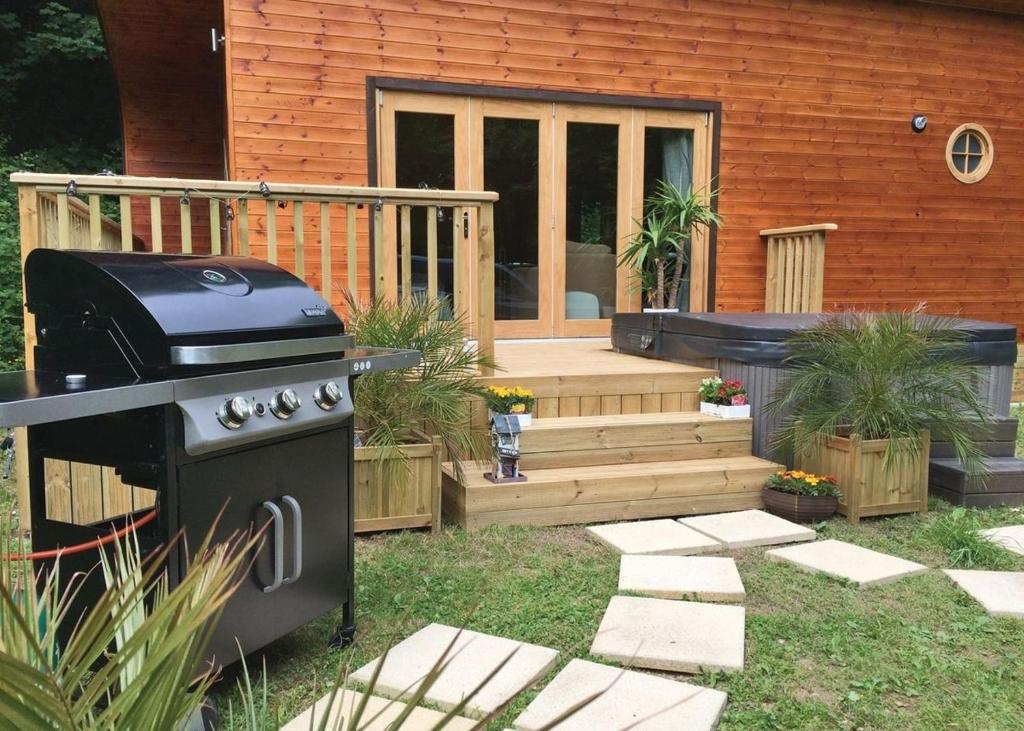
(58,112)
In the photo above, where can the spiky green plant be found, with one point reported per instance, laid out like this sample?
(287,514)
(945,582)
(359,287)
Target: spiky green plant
(663,239)
(160,634)
(685,211)
(433,397)
(882,376)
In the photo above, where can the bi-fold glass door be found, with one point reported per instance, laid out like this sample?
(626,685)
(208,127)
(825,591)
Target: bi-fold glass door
(572,179)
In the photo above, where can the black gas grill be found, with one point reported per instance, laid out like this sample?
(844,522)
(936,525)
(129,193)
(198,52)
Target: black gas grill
(224,385)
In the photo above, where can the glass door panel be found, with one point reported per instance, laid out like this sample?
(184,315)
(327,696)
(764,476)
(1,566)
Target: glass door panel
(668,158)
(675,146)
(425,158)
(591,219)
(510,169)
(592,197)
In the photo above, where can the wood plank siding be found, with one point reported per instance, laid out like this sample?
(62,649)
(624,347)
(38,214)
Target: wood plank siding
(816,99)
(171,87)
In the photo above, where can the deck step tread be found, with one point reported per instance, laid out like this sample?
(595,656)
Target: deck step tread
(473,477)
(623,420)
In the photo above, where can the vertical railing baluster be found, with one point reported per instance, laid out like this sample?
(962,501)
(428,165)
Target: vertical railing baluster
(300,241)
(406,243)
(379,262)
(124,202)
(63,222)
(432,263)
(485,285)
(185,215)
(215,241)
(458,302)
(325,251)
(156,227)
(272,232)
(243,226)
(95,222)
(351,262)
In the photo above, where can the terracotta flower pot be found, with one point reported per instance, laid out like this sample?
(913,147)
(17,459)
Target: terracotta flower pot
(799,508)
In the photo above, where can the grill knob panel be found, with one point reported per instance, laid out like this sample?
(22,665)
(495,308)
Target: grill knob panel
(286,403)
(328,395)
(234,412)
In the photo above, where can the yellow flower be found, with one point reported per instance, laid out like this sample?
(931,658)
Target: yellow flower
(812,480)
(518,408)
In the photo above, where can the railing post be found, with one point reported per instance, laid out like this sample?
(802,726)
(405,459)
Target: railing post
(485,285)
(28,220)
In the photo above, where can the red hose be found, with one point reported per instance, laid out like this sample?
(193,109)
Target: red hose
(87,546)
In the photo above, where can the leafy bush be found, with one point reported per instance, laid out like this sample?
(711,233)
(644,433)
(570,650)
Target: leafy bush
(882,376)
(433,397)
(48,51)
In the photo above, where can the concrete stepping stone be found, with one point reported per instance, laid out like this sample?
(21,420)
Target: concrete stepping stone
(1001,593)
(627,697)
(661,634)
(860,565)
(664,537)
(345,703)
(472,657)
(748,528)
(1010,537)
(704,578)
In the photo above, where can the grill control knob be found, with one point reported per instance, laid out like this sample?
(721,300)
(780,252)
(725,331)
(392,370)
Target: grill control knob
(234,412)
(286,403)
(328,395)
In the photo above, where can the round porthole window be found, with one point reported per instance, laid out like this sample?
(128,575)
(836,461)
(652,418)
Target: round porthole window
(969,153)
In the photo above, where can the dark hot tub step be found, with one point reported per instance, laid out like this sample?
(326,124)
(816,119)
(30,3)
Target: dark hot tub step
(948,480)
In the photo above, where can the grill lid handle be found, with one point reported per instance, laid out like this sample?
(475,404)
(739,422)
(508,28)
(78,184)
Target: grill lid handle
(266,350)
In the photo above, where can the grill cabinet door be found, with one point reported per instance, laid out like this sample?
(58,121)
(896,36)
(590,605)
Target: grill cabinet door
(314,471)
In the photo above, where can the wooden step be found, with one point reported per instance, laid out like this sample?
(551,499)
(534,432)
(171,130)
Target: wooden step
(597,493)
(579,441)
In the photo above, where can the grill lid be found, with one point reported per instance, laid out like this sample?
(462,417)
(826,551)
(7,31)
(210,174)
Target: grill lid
(172,310)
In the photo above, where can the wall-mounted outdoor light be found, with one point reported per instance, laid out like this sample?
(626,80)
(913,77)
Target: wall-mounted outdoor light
(918,122)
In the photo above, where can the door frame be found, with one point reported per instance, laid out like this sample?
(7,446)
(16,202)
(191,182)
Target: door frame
(711,138)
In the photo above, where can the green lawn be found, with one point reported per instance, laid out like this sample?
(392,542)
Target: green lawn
(917,654)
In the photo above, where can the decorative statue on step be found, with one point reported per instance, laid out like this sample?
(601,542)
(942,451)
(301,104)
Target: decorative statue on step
(505,431)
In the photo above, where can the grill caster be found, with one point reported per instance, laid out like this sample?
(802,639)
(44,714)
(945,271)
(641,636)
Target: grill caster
(344,637)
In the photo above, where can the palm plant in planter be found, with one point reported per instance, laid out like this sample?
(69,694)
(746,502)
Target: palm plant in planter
(406,420)
(659,252)
(860,397)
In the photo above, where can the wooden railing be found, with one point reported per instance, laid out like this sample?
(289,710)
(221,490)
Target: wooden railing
(796,268)
(286,224)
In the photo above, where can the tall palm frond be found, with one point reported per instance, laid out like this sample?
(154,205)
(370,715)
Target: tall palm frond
(434,396)
(133,659)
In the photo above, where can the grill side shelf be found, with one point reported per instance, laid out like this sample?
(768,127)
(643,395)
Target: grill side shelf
(28,398)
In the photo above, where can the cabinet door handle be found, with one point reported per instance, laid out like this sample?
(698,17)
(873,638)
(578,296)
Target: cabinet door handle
(296,538)
(278,547)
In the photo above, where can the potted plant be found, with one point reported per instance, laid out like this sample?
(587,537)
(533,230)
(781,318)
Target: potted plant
(800,496)
(408,420)
(515,400)
(862,393)
(725,398)
(659,251)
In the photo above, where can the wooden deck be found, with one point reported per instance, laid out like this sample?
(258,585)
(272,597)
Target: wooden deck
(586,378)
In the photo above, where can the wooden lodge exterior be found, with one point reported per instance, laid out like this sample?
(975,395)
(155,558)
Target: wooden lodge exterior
(799,110)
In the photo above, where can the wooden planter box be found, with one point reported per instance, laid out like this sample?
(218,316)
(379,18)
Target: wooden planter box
(868,489)
(414,504)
